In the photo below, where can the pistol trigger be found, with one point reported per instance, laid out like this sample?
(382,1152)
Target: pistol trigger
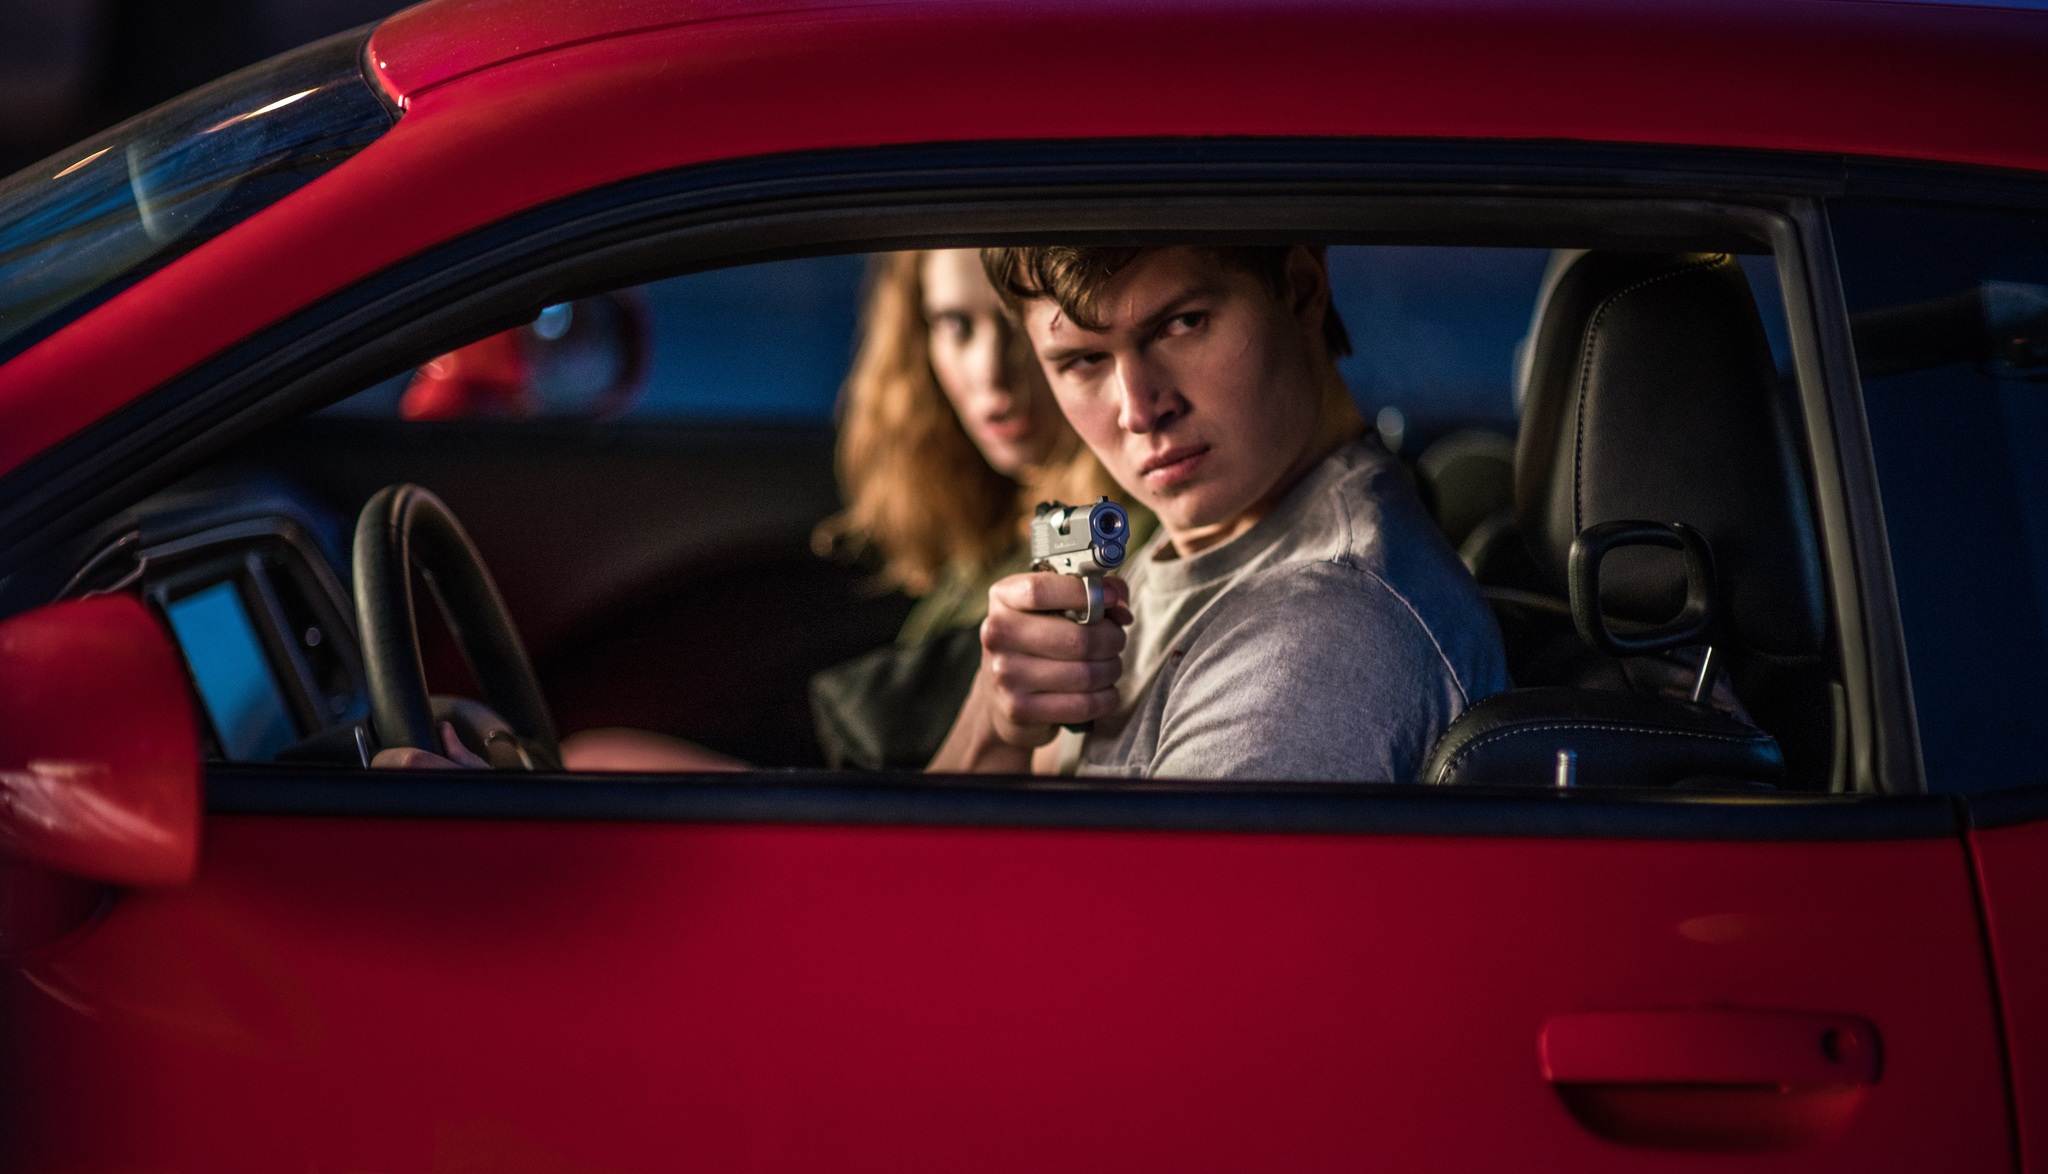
(1093,585)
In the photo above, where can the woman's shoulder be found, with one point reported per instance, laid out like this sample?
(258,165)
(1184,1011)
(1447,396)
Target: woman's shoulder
(959,599)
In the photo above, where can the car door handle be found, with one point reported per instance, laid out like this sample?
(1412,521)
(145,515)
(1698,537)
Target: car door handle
(1710,1079)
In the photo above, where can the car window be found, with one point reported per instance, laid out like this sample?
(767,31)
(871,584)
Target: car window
(765,342)
(84,224)
(1435,331)
(1950,314)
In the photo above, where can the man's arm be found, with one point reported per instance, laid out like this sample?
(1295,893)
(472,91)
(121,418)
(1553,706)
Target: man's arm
(1317,673)
(1039,670)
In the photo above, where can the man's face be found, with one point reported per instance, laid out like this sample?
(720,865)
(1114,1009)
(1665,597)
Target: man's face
(1200,393)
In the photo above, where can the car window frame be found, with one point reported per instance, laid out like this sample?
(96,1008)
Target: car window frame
(783,206)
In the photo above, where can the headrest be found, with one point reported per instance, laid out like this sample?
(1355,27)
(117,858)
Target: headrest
(1653,397)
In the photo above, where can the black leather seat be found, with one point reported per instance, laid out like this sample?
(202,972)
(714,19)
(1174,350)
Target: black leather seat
(1618,739)
(1653,397)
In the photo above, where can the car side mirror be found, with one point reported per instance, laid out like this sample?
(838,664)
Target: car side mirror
(580,360)
(99,763)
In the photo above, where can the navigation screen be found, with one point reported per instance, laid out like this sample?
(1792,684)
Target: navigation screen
(233,674)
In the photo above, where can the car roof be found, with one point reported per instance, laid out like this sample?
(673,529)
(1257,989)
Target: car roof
(1864,51)
(434,43)
(1899,79)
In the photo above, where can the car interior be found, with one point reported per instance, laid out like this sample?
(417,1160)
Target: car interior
(1612,438)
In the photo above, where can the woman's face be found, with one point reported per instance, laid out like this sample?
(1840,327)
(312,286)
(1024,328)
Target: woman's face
(976,355)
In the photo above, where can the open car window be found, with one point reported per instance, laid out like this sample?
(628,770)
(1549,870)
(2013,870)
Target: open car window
(1440,330)
(633,463)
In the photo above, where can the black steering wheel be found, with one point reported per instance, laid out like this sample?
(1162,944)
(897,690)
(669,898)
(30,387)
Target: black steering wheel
(404,526)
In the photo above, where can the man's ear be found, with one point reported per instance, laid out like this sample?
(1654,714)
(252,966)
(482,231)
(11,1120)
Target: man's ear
(1308,288)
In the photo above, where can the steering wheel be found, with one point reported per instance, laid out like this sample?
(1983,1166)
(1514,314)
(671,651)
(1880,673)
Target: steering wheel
(404,526)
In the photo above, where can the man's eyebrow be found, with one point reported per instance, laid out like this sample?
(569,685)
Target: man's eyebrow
(1064,353)
(1177,304)
(1172,306)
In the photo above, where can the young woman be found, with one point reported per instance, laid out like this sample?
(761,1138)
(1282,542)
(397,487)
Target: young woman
(948,438)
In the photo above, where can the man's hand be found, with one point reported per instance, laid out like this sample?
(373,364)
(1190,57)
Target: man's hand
(413,758)
(1042,669)
(1039,670)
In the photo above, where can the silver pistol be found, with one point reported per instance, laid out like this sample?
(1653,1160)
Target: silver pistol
(1087,541)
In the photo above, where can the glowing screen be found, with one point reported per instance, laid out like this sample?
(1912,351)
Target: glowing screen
(233,674)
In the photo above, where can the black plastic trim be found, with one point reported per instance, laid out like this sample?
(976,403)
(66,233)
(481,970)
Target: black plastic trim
(1888,742)
(1882,740)
(817,797)
(2011,807)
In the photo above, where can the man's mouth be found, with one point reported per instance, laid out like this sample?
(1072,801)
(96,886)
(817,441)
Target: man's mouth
(1174,465)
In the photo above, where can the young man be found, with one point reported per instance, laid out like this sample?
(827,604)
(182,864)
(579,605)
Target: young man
(1299,616)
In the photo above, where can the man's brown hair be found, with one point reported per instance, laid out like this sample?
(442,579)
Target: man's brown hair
(1074,276)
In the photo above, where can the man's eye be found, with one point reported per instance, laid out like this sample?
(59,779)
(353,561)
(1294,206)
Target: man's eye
(1081,364)
(1183,323)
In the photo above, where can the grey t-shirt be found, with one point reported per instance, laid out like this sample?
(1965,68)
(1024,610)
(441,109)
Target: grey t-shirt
(1335,639)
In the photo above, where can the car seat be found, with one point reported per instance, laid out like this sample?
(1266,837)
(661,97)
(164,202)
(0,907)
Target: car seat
(1467,479)
(1653,400)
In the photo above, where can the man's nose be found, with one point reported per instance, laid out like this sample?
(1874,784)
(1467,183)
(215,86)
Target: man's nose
(1150,401)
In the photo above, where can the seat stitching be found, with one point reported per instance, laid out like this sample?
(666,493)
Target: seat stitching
(1586,376)
(1610,727)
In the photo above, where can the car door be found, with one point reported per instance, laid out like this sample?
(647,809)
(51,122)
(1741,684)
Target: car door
(1950,301)
(639,975)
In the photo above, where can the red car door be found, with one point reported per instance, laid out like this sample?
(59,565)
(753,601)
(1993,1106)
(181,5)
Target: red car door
(427,974)
(2010,841)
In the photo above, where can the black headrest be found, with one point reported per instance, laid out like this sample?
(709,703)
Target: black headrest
(1652,396)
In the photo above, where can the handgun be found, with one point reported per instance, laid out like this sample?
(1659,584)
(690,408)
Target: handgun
(1087,541)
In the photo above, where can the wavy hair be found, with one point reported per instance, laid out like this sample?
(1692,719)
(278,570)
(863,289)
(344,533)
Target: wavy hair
(918,492)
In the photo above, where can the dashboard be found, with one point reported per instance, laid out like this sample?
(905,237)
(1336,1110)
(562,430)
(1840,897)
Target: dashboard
(244,577)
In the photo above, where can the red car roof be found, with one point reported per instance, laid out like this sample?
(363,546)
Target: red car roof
(1958,82)
(427,45)
(513,103)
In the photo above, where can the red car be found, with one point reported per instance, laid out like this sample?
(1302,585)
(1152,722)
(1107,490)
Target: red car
(1820,943)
